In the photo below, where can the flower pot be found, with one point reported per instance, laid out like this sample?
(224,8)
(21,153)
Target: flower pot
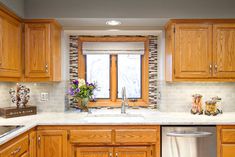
(83,104)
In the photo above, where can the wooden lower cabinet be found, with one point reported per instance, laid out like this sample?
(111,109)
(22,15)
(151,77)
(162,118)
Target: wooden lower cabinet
(33,144)
(25,155)
(225,141)
(52,143)
(85,141)
(115,141)
(128,151)
(136,151)
(16,148)
(227,150)
(94,152)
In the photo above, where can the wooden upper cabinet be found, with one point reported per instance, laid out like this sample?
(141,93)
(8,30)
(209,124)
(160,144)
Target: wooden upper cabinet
(200,50)
(193,55)
(224,50)
(52,143)
(42,50)
(37,50)
(10,48)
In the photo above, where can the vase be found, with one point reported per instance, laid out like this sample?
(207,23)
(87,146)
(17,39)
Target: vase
(83,104)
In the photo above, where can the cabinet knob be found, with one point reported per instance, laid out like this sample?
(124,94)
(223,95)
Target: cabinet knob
(39,141)
(46,67)
(110,154)
(216,68)
(210,67)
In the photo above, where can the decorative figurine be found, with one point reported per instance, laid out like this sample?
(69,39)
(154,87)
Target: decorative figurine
(20,96)
(213,106)
(197,104)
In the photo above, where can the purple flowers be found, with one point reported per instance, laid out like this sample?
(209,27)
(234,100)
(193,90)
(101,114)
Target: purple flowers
(71,92)
(75,82)
(80,89)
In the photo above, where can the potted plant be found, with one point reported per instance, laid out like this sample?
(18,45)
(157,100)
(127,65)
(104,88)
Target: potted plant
(82,92)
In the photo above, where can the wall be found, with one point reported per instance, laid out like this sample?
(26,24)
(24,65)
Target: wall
(130,9)
(16,6)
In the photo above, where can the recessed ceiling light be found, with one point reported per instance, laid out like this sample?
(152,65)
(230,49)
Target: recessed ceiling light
(113,30)
(113,23)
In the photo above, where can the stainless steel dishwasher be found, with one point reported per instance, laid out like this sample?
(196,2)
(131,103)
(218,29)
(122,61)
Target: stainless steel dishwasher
(188,141)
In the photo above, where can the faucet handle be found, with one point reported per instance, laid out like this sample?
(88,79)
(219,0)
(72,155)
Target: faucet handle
(123,93)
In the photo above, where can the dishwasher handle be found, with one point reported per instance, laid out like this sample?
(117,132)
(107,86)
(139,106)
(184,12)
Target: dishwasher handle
(196,134)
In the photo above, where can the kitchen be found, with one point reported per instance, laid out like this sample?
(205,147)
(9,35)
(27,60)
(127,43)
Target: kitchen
(113,79)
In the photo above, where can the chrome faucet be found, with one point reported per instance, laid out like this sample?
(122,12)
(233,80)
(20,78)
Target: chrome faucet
(124,101)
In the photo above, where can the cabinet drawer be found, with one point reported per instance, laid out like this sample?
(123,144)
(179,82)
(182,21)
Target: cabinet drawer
(91,136)
(17,149)
(228,135)
(136,135)
(25,155)
(227,150)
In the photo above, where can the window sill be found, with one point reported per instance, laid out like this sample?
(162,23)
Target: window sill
(109,103)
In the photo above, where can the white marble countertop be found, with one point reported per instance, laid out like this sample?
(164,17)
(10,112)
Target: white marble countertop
(113,117)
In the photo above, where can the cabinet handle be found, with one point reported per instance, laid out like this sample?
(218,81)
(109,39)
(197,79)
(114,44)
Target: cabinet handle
(16,151)
(116,155)
(46,67)
(216,68)
(110,154)
(39,141)
(210,68)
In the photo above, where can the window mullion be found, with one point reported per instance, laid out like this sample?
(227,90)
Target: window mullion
(113,81)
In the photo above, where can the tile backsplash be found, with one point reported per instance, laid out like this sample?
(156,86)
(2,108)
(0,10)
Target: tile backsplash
(177,97)
(173,97)
(56,100)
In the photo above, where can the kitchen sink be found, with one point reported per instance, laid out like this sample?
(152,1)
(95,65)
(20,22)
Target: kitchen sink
(7,129)
(113,117)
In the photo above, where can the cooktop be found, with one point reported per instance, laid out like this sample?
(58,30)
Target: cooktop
(7,129)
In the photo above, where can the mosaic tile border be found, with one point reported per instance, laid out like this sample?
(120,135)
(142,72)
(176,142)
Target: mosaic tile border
(153,60)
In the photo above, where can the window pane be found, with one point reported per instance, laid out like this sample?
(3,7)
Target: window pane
(97,70)
(129,75)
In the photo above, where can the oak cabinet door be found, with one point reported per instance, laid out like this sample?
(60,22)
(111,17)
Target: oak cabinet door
(10,47)
(52,143)
(94,152)
(228,150)
(37,50)
(193,51)
(33,144)
(224,50)
(25,155)
(140,151)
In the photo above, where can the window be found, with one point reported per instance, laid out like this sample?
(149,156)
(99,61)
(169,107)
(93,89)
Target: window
(98,70)
(129,75)
(114,71)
